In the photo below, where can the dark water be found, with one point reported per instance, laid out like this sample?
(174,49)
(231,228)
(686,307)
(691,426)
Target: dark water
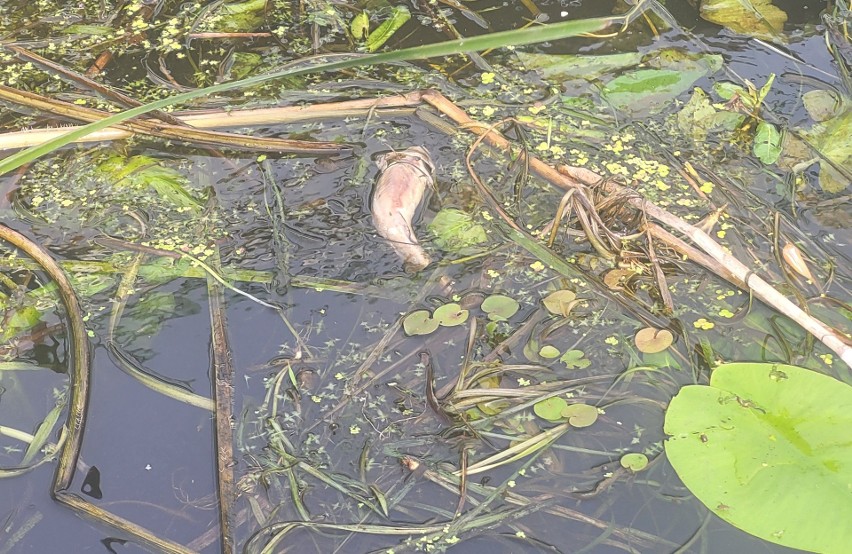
(151,459)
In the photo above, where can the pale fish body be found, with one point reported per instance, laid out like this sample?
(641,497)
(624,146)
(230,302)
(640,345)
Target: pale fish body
(402,182)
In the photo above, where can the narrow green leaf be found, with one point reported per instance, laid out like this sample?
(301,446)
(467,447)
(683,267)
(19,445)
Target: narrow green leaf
(388,27)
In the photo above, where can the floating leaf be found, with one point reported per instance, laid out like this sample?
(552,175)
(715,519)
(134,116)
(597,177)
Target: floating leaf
(767,143)
(419,322)
(564,67)
(455,230)
(500,307)
(397,19)
(531,349)
(575,359)
(650,340)
(756,18)
(360,26)
(560,302)
(775,438)
(580,415)
(143,171)
(822,105)
(634,461)
(548,352)
(833,138)
(646,90)
(450,315)
(237,17)
(551,408)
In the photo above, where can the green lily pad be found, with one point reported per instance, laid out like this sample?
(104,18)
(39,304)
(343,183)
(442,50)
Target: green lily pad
(550,408)
(647,90)
(775,439)
(450,315)
(580,415)
(500,307)
(650,340)
(767,143)
(575,359)
(420,322)
(634,461)
(560,302)
(548,352)
(456,230)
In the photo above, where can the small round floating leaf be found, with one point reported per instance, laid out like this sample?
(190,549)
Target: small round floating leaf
(650,340)
(419,323)
(500,307)
(634,461)
(548,352)
(450,315)
(560,302)
(551,408)
(575,359)
(775,439)
(580,415)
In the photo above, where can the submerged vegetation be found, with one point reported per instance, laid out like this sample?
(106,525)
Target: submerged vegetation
(634,259)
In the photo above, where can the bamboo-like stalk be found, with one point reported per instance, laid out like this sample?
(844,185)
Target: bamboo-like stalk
(167,131)
(574,178)
(211,119)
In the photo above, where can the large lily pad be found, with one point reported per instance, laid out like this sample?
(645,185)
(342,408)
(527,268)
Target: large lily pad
(767,447)
(756,18)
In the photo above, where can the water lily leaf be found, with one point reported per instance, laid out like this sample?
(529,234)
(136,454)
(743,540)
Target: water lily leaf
(551,408)
(548,352)
(450,315)
(575,359)
(568,66)
(580,415)
(397,19)
(755,18)
(647,90)
(775,438)
(456,230)
(634,461)
(833,138)
(560,302)
(360,26)
(767,143)
(419,322)
(822,105)
(650,340)
(500,307)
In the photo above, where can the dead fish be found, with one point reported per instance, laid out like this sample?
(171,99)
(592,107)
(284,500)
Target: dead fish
(402,182)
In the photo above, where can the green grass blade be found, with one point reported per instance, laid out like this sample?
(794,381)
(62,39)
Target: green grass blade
(517,37)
